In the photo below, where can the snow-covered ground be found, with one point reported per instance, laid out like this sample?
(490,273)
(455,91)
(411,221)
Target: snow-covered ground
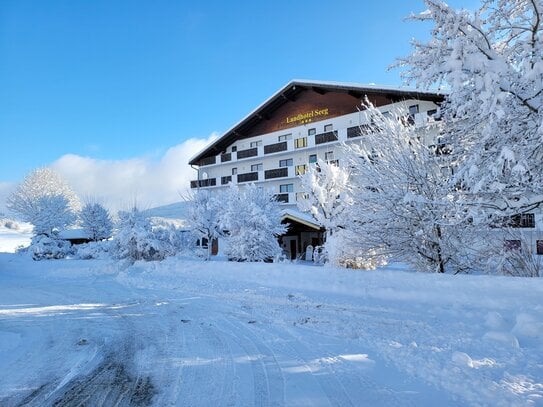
(185,332)
(12,238)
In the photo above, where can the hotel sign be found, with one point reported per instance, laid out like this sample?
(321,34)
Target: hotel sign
(307,117)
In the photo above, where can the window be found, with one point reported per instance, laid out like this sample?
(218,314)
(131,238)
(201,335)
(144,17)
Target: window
(286,188)
(285,137)
(329,156)
(256,167)
(300,142)
(312,158)
(511,245)
(539,246)
(414,109)
(286,163)
(301,169)
(256,143)
(522,220)
(234,171)
(234,149)
(328,127)
(311,132)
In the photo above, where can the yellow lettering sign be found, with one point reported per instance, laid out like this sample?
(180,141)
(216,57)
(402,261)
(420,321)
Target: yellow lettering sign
(307,117)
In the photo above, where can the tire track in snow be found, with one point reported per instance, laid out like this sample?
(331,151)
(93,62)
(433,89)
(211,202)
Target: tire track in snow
(269,385)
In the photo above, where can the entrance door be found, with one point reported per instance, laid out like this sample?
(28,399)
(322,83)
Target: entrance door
(293,250)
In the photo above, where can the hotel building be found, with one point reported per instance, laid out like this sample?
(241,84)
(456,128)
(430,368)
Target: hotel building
(302,122)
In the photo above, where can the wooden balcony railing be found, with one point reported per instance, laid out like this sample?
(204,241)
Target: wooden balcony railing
(281,198)
(251,152)
(207,161)
(248,177)
(326,137)
(226,157)
(275,148)
(202,183)
(276,173)
(226,180)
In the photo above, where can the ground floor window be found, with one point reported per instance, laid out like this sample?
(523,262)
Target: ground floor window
(539,246)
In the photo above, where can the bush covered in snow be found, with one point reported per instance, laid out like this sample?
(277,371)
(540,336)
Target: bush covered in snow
(94,250)
(135,239)
(44,247)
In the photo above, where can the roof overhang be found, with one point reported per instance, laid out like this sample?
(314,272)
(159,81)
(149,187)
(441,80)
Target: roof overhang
(289,92)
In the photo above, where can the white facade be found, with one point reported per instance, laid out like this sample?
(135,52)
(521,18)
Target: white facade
(303,146)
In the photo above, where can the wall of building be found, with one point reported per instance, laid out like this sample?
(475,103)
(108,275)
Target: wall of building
(303,155)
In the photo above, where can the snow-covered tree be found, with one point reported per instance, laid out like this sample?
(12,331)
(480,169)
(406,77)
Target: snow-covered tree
(403,203)
(50,214)
(135,239)
(326,187)
(39,183)
(252,217)
(491,63)
(95,219)
(204,217)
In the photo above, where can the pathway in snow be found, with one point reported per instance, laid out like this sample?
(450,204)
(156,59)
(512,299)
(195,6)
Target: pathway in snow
(190,334)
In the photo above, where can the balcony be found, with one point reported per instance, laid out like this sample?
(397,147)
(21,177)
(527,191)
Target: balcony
(207,161)
(248,176)
(326,137)
(226,157)
(251,152)
(276,173)
(203,183)
(358,131)
(275,148)
(283,198)
(226,180)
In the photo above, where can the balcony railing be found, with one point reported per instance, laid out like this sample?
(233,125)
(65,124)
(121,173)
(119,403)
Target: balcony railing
(358,131)
(207,161)
(248,176)
(202,183)
(226,157)
(275,148)
(281,198)
(251,152)
(276,173)
(326,137)
(226,180)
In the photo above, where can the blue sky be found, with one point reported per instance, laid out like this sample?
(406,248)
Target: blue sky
(115,80)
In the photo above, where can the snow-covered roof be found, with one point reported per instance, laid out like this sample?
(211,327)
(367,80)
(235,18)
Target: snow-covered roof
(290,90)
(300,217)
(76,233)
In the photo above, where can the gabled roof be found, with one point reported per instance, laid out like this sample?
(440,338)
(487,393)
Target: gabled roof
(300,217)
(289,92)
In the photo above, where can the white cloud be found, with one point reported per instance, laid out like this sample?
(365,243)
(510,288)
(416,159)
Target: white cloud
(6,188)
(147,181)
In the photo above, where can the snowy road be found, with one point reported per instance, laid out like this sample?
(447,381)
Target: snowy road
(187,333)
